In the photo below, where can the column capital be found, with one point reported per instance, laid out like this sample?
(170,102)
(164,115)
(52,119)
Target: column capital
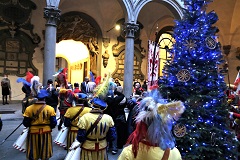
(52,15)
(130,29)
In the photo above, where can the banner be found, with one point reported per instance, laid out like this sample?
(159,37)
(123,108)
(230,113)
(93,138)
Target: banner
(153,63)
(237,83)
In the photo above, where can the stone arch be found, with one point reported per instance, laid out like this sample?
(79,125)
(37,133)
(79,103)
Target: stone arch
(132,8)
(79,26)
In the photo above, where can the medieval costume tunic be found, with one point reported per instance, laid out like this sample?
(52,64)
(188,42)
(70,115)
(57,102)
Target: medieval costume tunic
(66,97)
(72,123)
(152,138)
(39,141)
(94,144)
(153,153)
(96,128)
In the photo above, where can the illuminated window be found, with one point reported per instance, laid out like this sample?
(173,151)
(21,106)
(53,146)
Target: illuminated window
(166,43)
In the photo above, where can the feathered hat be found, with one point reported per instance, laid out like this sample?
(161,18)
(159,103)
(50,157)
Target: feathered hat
(112,87)
(26,82)
(29,76)
(100,93)
(154,121)
(81,98)
(98,80)
(61,77)
(35,86)
(69,96)
(42,94)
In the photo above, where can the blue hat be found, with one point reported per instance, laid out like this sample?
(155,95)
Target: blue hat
(42,94)
(81,96)
(98,103)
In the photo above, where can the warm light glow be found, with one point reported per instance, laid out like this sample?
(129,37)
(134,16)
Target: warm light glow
(72,51)
(117,27)
(164,40)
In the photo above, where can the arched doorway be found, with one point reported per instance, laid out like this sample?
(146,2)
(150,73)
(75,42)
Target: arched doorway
(76,55)
(79,26)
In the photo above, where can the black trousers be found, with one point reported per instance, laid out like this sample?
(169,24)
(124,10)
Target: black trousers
(5,97)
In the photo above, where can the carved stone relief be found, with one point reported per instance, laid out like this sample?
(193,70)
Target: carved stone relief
(16,46)
(74,26)
(105,58)
(16,54)
(118,51)
(119,71)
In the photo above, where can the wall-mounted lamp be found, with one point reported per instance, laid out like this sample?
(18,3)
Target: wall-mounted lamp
(52,3)
(117,27)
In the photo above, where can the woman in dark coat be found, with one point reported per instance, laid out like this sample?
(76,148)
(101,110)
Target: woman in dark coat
(6,89)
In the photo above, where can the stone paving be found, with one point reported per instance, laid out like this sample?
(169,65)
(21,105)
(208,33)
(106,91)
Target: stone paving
(10,122)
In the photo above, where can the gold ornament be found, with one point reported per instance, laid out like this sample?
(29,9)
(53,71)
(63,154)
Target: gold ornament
(211,43)
(183,75)
(179,130)
(190,45)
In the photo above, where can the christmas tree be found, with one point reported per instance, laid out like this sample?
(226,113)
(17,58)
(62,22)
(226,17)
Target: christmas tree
(193,76)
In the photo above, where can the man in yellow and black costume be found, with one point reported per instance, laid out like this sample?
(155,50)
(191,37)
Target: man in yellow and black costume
(41,119)
(73,115)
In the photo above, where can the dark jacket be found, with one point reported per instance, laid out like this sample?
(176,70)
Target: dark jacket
(83,87)
(52,98)
(113,108)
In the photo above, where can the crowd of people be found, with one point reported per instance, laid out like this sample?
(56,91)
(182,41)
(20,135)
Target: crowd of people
(99,118)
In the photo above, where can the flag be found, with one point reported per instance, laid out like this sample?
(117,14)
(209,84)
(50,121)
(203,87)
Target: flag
(237,83)
(153,63)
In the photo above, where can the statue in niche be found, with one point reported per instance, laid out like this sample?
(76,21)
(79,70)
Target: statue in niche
(105,57)
(93,50)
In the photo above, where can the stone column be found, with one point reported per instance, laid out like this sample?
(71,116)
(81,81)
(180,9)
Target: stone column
(52,15)
(130,29)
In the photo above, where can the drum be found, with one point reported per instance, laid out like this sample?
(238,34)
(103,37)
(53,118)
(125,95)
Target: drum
(20,143)
(74,151)
(61,138)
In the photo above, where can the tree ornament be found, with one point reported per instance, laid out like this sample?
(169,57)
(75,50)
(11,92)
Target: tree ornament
(183,75)
(179,130)
(210,43)
(190,45)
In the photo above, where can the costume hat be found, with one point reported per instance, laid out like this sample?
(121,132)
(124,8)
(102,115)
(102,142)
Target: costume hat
(100,94)
(80,98)
(98,103)
(42,94)
(154,121)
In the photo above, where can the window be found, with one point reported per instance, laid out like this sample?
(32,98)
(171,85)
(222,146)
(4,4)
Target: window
(166,43)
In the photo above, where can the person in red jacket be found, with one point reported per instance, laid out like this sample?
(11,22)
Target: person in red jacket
(76,88)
